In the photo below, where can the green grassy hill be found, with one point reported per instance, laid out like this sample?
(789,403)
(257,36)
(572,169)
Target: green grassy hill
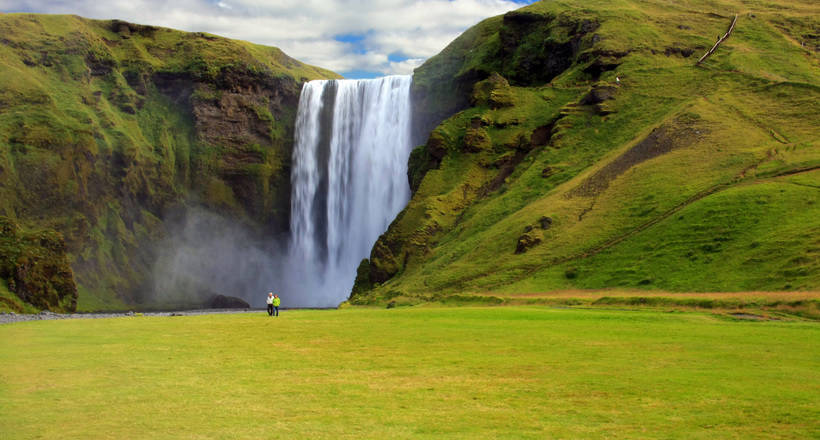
(579,145)
(107,126)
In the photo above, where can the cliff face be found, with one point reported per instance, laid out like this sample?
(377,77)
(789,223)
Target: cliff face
(578,145)
(527,47)
(107,127)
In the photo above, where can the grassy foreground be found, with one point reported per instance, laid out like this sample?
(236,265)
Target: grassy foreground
(503,372)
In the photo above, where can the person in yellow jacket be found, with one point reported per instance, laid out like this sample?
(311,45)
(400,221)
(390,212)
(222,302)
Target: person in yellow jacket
(276,302)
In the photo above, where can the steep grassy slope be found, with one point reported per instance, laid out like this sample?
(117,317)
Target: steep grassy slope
(609,159)
(106,127)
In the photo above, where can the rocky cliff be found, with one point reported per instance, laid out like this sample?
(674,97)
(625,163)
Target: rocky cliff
(108,128)
(579,145)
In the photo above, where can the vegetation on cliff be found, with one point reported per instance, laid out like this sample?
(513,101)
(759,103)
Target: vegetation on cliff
(34,266)
(581,147)
(107,126)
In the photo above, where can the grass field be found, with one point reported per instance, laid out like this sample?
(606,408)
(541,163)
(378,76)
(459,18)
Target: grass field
(421,372)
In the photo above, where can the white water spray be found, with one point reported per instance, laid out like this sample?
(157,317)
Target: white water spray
(349,181)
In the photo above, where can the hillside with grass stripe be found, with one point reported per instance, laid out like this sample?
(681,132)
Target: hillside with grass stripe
(620,163)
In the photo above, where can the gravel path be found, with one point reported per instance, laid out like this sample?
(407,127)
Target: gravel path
(8,318)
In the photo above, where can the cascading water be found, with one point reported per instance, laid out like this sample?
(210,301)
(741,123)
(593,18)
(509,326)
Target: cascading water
(349,180)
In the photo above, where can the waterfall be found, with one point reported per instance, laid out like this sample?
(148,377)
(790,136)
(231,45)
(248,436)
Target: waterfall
(349,181)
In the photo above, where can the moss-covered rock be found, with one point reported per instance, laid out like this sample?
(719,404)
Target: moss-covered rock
(418,164)
(428,156)
(476,140)
(493,92)
(526,241)
(34,265)
(383,263)
(362,283)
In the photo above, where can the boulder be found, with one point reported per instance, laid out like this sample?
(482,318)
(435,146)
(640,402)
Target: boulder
(494,92)
(227,302)
(437,144)
(476,139)
(362,283)
(525,242)
(383,263)
(547,171)
(599,94)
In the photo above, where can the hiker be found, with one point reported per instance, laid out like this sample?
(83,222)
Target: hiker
(276,302)
(270,303)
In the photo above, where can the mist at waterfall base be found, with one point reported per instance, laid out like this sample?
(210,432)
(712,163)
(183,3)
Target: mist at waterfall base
(348,182)
(207,254)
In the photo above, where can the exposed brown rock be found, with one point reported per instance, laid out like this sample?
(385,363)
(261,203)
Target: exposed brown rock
(541,135)
(525,242)
(685,52)
(599,94)
(547,171)
(236,112)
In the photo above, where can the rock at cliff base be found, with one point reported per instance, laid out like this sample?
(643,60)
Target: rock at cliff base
(227,302)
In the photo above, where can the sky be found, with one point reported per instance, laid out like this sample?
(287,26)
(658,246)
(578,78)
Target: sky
(356,38)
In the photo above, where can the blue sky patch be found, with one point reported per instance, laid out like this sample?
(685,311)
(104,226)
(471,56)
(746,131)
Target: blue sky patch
(397,57)
(356,41)
(361,74)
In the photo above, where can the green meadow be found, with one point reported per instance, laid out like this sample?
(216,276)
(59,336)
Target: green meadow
(420,372)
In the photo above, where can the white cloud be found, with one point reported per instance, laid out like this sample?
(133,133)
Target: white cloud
(304,29)
(404,67)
